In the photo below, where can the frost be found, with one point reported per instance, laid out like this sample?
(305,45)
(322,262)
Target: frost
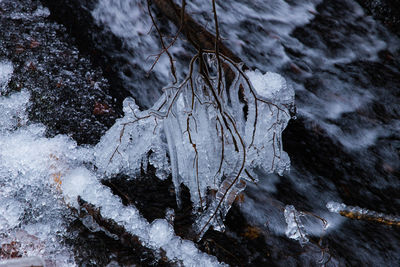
(158,234)
(161,232)
(6,70)
(12,109)
(295,228)
(354,212)
(125,147)
(271,86)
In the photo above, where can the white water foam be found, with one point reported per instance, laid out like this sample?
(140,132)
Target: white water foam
(130,21)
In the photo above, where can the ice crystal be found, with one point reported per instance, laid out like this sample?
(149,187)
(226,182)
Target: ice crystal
(295,228)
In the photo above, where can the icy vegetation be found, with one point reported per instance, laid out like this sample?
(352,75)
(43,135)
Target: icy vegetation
(159,234)
(41,179)
(295,228)
(362,214)
(209,134)
(214,141)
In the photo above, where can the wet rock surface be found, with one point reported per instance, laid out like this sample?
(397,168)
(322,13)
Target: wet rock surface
(106,51)
(68,94)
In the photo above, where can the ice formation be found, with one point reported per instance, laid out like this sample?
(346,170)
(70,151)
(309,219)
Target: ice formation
(271,86)
(362,214)
(213,142)
(33,217)
(295,228)
(41,178)
(209,143)
(159,234)
(124,147)
(6,70)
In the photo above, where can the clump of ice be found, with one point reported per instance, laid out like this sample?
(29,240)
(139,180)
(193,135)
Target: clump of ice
(75,182)
(271,86)
(10,213)
(156,235)
(208,148)
(178,249)
(6,71)
(41,12)
(161,232)
(32,213)
(362,213)
(295,228)
(335,206)
(128,143)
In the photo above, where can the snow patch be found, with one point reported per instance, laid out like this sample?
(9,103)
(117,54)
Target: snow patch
(6,71)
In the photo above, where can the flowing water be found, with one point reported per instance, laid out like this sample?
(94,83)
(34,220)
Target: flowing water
(344,145)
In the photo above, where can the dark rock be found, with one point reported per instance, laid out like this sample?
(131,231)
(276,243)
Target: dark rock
(106,51)
(387,11)
(64,85)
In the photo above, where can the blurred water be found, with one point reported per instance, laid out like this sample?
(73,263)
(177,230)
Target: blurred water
(344,66)
(344,146)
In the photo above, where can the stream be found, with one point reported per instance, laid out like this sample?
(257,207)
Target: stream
(66,67)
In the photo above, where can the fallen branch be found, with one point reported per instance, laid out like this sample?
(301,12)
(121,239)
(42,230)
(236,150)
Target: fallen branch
(357,213)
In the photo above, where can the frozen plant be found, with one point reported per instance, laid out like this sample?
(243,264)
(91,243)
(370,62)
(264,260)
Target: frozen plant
(354,212)
(295,227)
(216,131)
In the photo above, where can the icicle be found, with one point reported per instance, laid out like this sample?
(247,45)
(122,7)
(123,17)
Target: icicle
(295,228)
(213,135)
